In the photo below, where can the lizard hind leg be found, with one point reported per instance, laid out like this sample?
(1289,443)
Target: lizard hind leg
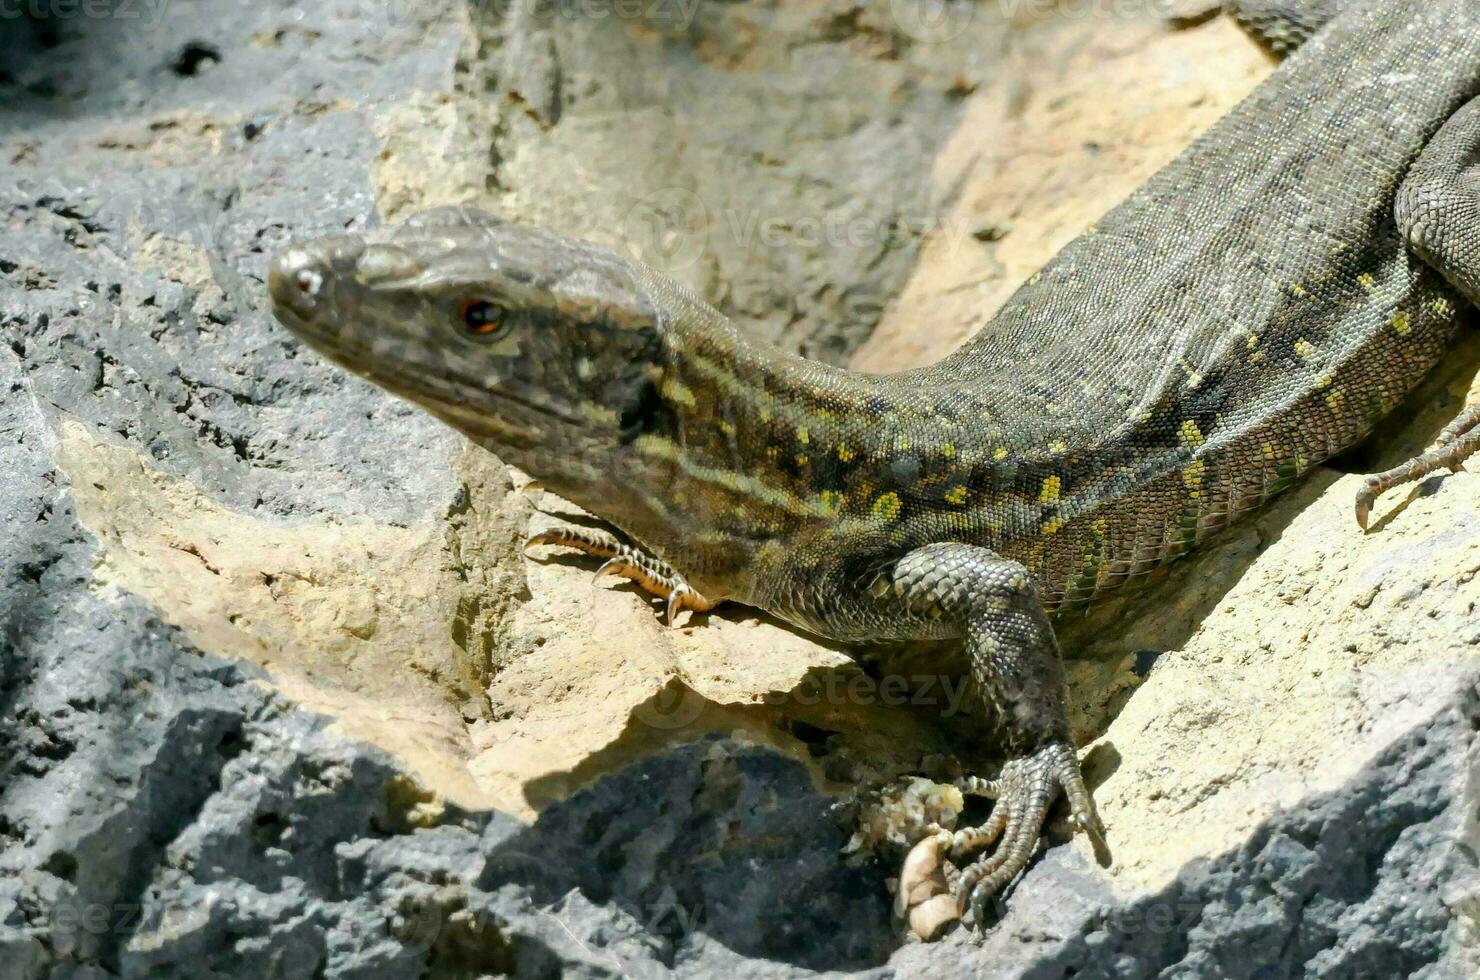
(1438,211)
(653,575)
(1015,665)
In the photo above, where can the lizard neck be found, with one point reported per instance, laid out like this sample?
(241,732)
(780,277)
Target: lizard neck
(752,448)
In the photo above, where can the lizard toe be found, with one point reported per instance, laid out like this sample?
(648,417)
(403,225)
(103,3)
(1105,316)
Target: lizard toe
(1458,442)
(1026,789)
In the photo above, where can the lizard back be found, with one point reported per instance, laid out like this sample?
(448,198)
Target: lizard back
(1094,432)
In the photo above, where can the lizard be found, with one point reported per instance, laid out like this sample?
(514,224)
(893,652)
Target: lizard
(1250,311)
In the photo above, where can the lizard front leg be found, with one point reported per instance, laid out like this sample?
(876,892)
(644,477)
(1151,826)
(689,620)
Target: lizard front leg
(653,575)
(1015,664)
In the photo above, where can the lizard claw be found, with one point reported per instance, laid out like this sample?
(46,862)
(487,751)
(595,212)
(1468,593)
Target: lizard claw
(1026,789)
(678,602)
(1365,499)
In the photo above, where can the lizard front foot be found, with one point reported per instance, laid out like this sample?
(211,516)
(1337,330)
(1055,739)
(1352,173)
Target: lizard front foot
(653,575)
(1459,441)
(1024,791)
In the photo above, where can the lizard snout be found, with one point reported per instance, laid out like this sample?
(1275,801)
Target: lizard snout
(297,278)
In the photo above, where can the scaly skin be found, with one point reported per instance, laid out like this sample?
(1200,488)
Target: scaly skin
(1252,310)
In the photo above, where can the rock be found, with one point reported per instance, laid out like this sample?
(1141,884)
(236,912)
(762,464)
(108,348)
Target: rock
(280,697)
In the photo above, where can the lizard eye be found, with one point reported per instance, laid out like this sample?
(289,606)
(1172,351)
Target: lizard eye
(482,317)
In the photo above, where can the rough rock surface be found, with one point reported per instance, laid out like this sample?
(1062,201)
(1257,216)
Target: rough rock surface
(278,696)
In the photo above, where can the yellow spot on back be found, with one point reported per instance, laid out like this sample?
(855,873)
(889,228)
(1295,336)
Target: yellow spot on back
(1049,494)
(1304,348)
(1268,451)
(726,427)
(831,502)
(1367,281)
(1335,398)
(1000,454)
(846,454)
(1442,307)
(801,459)
(1193,475)
(677,391)
(948,450)
(1052,525)
(651,445)
(1190,434)
(1297,290)
(599,414)
(956,496)
(1057,446)
(886,507)
(1253,341)
(803,435)
(1402,324)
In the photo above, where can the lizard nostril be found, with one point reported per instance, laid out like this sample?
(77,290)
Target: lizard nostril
(308,281)
(295,279)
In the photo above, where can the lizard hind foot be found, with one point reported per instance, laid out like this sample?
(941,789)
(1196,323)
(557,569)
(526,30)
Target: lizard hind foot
(1028,786)
(623,560)
(1459,441)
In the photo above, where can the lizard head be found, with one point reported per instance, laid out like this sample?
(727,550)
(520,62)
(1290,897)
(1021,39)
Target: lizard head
(545,349)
